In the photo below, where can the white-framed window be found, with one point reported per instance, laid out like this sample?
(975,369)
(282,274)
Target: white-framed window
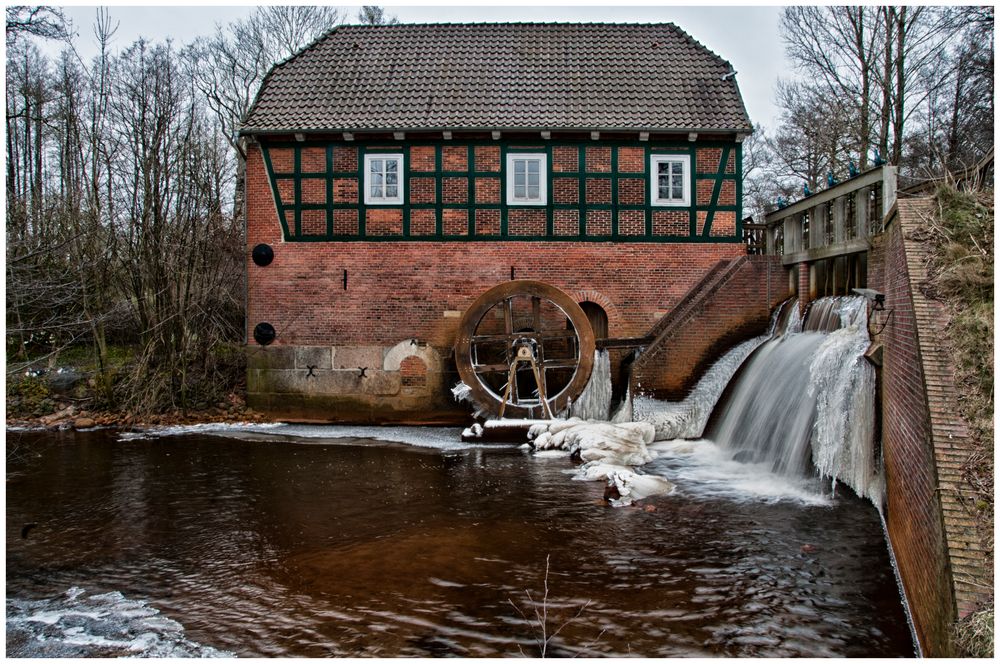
(670,179)
(383,179)
(527,179)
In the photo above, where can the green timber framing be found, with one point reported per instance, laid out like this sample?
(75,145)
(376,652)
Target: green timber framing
(678,147)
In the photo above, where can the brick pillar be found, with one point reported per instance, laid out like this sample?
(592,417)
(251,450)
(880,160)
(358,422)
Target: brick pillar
(805,295)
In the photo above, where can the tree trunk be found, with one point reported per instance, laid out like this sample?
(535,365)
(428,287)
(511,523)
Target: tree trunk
(865,105)
(956,102)
(888,14)
(897,120)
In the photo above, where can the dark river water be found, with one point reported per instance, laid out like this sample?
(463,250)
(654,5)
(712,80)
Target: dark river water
(257,546)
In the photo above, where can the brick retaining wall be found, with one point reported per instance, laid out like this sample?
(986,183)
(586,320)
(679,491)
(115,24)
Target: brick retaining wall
(924,442)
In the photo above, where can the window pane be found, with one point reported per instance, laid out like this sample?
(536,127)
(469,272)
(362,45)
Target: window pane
(377,179)
(663,167)
(519,167)
(533,179)
(533,167)
(519,190)
(391,165)
(677,168)
(376,190)
(678,194)
(390,191)
(376,166)
(391,177)
(533,192)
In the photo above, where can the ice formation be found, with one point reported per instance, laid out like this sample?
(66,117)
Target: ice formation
(610,452)
(594,403)
(687,418)
(78,624)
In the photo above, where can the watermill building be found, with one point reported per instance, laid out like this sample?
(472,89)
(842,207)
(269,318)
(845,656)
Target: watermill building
(396,173)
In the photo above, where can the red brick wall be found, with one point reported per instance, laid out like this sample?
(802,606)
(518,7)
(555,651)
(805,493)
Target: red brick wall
(727,305)
(398,290)
(912,510)
(924,442)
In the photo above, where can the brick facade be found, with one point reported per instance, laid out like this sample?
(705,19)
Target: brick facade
(604,185)
(407,291)
(306,201)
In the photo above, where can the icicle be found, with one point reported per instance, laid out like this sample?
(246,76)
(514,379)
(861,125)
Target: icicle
(594,402)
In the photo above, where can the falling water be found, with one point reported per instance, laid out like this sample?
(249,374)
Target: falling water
(594,403)
(804,401)
(687,418)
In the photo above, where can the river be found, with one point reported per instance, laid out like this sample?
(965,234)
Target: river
(263,544)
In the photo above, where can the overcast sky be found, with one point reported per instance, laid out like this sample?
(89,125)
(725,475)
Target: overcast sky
(746,36)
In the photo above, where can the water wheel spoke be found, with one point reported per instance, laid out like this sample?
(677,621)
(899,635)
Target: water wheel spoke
(556,334)
(538,316)
(560,364)
(491,368)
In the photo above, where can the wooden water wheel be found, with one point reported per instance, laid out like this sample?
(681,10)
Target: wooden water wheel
(508,317)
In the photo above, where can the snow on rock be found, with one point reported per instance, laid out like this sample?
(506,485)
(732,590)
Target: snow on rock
(609,452)
(631,486)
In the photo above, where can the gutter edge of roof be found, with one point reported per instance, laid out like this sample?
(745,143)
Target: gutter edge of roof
(432,130)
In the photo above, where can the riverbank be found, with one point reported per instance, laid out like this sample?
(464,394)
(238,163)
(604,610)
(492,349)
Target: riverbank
(72,416)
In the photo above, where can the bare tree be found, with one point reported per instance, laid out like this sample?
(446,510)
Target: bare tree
(39,21)
(881,65)
(374,15)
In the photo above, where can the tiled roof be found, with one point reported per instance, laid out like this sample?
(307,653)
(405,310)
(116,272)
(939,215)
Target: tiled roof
(587,76)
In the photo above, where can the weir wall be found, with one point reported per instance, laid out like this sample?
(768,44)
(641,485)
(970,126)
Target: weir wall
(730,304)
(924,441)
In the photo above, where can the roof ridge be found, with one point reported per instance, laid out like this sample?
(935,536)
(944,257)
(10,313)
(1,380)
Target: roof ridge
(685,35)
(458,23)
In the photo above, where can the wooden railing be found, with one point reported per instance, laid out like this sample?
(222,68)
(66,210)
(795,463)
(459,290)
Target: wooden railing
(834,222)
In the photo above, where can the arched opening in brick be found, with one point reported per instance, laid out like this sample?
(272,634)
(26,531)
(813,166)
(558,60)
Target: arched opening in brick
(414,372)
(598,318)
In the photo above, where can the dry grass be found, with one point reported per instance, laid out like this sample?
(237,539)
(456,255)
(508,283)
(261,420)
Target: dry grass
(974,635)
(961,276)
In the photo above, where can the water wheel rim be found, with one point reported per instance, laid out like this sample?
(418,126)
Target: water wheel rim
(485,396)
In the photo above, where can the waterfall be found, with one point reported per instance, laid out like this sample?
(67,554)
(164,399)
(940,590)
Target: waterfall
(687,418)
(804,402)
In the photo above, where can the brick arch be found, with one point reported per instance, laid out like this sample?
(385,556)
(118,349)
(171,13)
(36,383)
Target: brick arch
(589,295)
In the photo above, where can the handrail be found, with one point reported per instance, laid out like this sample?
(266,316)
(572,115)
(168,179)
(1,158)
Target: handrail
(835,222)
(879,174)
